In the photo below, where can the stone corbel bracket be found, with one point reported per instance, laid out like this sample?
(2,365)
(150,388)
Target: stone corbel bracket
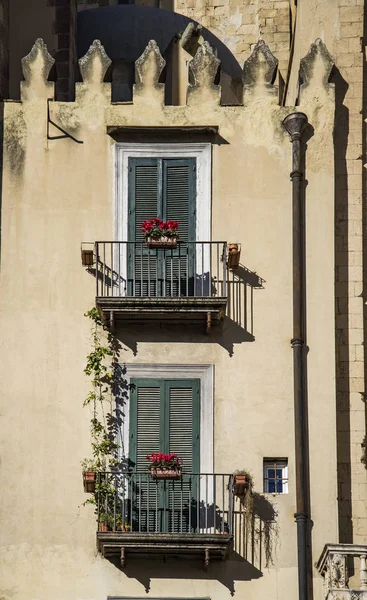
(259,72)
(315,69)
(36,68)
(93,68)
(148,70)
(203,69)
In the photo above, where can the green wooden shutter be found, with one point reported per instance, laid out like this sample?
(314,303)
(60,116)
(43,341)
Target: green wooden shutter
(184,421)
(165,417)
(179,203)
(145,199)
(183,439)
(145,192)
(164,188)
(145,438)
(179,195)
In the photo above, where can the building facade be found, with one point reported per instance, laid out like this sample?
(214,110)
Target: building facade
(238,347)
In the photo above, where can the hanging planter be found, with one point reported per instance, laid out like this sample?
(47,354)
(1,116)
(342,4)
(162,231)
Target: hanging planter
(89,481)
(165,466)
(87,252)
(234,255)
(242,484)
(162,473)
(160,234)
(162,242)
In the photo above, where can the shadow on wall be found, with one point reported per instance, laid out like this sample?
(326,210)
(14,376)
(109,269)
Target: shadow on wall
(341,132)
(237,327)
(254,549)
(235,569)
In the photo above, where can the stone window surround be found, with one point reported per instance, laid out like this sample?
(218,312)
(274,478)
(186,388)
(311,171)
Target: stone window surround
(203,154)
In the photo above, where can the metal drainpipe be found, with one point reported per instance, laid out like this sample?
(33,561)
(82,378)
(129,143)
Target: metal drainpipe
(295,124)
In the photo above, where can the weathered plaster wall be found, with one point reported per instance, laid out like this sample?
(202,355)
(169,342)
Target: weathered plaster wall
(58,193)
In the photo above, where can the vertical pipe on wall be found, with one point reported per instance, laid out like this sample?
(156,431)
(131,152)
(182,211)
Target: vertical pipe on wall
(295,124)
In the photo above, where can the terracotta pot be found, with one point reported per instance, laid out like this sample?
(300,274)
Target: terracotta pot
(166,473)
(241,484)
(127,527)
(162,242)
(87,258)
(234,255)
(89,481)
(103,527)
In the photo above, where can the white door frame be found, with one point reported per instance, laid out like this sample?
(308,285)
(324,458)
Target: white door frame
(202,153)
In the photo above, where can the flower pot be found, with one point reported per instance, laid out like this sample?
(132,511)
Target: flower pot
(165,473)
(89,481)
(103,526)
(162,242)
(234,254)
(241,485)
(87,258)
(127,527)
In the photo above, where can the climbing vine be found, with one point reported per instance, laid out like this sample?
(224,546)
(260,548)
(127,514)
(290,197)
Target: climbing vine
(100,367)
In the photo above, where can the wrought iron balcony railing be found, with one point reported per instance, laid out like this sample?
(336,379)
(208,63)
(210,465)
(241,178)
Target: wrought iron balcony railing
(190,515)
(131,269)
(134,281)
(196,503)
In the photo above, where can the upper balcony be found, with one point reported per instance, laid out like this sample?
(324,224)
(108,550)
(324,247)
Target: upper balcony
(337,565)
(184,283)
(193,516)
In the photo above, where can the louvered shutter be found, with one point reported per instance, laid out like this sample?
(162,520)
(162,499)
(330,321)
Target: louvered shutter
(145,432)
(179,202)
(163,188)
(145,191)
(183,432)
(165,417)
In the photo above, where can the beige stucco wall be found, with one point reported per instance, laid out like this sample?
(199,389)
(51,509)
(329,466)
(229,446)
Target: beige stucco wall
(59,193)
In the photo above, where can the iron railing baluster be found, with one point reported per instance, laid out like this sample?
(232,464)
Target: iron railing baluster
(224,269)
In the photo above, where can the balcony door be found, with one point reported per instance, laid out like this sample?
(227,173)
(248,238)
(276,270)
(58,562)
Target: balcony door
(163,188)
(165,417)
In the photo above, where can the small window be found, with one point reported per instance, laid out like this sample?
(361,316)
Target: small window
(276,476)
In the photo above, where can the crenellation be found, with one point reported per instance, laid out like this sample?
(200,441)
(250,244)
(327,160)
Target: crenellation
(36,68)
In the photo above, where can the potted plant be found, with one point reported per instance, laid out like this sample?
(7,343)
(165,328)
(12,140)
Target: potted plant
(89,475)
(160,234)
(104,523)
(90,468)
(165,466)
(243,489)
(242,483)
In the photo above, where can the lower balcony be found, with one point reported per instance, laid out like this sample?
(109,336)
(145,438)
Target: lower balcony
(344,569)
(190,517)
(185,283)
